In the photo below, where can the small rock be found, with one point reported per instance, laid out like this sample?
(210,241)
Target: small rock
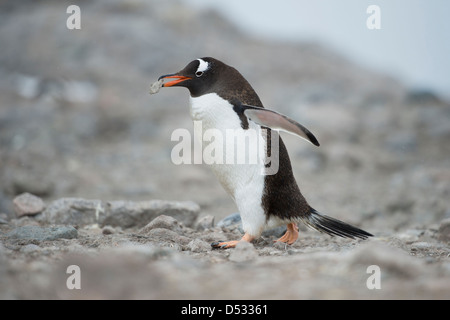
(127,214)
(229,221)
(43,233)
(164,235)
(244,251)
(421,246)
(204,223)
(29,248)
(164,222)
(154,88)
(444,230)
(198,245)
(108,230)
(27,204)
(74,211)
(212,235)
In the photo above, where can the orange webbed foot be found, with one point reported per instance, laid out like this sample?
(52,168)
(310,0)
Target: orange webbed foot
(224,244)
(291,234)
(231,244)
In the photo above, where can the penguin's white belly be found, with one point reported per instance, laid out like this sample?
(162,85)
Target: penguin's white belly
(241,176)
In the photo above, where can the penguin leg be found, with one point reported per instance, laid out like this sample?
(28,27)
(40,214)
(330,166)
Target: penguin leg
(232,244)
(291,234)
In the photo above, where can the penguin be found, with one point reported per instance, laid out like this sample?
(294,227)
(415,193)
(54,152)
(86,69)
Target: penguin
(222,99)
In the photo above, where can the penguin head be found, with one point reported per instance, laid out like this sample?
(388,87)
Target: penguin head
(199,76)
(209,75)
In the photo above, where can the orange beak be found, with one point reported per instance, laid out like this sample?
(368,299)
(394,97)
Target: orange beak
(174,82)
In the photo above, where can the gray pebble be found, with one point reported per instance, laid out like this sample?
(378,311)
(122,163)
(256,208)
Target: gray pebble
(420,246)
(154,88)
(43,233)
(27,204)
(204,223)
(444,230)
(231,220)
(108,230)
(198,245)
(164,222)
(29,248)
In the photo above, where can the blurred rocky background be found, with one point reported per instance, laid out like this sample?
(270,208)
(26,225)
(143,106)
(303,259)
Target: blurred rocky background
(80,133)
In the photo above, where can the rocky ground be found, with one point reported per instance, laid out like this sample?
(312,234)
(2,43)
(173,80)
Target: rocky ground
(86,176)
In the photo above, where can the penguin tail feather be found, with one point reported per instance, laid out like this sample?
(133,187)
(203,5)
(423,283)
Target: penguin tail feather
(333,227)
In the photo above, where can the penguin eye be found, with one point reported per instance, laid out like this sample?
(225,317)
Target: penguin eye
(199,73)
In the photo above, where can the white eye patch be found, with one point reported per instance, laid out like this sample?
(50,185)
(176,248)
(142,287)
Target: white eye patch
(203,66)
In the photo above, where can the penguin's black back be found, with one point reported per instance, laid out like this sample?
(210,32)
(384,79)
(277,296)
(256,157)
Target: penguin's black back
(282,197)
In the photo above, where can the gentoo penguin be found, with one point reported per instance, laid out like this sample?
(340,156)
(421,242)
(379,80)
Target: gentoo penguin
(222,99)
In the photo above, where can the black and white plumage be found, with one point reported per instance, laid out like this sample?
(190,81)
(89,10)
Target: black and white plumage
(222,99)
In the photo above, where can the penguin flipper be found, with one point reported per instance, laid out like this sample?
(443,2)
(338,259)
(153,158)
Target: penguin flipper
(277,121)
